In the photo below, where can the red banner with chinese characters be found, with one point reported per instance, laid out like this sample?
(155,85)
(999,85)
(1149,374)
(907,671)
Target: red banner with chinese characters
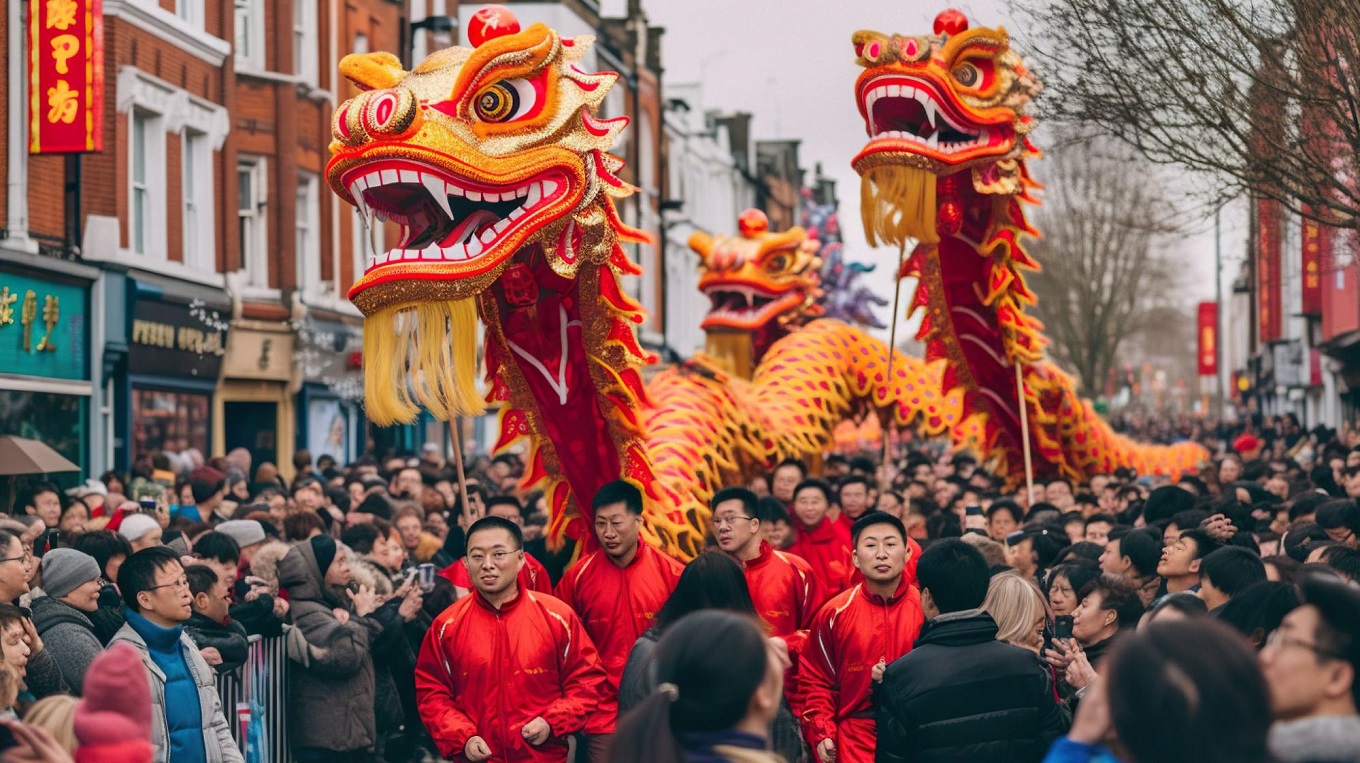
(1268,246)
(65,76)
(1208,339)
(1317,249)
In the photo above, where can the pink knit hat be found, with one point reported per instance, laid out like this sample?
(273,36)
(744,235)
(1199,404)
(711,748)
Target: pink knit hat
(113,720)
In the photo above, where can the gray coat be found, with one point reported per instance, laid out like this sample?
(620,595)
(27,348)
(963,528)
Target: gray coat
(69,634)
(221,748)
(332,696)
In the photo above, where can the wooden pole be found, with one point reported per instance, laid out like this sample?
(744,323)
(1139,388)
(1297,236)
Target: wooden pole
(455,429)
(892,348)
(1024,432)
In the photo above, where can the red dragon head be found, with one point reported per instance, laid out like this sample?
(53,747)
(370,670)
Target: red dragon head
(477,156)
(933,106)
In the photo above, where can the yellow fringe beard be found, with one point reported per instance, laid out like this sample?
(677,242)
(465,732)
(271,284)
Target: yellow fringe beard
(898,203)
(421,356)
(732,350)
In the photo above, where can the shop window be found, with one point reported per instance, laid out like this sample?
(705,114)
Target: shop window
(252,186)
(165,420)
(57,420)
(199,248)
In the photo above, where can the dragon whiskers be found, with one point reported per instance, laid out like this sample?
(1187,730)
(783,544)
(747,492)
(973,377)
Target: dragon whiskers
(898,203)
(421,355)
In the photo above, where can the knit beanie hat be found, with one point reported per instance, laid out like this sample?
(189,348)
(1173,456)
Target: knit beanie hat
(135,526)
(66,569)
(323,547)
(246,532)
(113,720)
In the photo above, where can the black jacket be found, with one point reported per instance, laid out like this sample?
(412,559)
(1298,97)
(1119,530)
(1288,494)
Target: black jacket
(960,695)
(228,638)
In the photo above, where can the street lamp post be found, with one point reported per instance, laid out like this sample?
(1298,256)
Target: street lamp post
(435,24)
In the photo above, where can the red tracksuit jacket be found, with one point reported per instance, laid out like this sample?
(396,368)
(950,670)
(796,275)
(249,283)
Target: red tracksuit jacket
(827,549)
(486,673)
(850,634)
(533,576)
(785,591)
(616,605)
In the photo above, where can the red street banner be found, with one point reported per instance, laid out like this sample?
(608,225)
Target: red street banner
(65,76)
(1208,339)
(1317,248)
(1268,247)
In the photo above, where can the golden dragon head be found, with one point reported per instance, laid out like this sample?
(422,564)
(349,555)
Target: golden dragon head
(758,278)
(478,156)
(934,106)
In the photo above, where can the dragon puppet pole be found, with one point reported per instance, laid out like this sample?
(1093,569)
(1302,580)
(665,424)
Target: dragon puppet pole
(892,340)
(456,430)
(1024,432)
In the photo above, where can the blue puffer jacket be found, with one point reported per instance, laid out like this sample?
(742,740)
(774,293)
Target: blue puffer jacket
(183,715)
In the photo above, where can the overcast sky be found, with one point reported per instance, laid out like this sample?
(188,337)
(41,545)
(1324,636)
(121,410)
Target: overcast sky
(791,65)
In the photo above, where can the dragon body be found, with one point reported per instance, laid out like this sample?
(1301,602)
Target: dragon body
(945,169)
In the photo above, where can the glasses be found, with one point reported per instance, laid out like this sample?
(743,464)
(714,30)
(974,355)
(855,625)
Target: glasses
(495,557)
(617,525)
(726,521)
(181,582)
(1342,538)
(21,557)
(1279,640)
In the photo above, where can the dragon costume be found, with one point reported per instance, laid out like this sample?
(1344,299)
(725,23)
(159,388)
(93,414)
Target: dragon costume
(948,124)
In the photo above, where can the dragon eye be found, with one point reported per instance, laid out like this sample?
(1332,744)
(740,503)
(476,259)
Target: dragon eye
(967,75)
(778,262)
(505,101)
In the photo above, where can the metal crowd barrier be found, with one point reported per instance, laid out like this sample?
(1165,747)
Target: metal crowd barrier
(256,695)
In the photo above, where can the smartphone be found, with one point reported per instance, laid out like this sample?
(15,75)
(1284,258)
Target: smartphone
(973,511)
(148,505)
(427,573)
(53,539)
(1015,537)
(1062,627)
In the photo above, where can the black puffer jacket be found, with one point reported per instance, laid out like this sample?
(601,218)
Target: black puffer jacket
(229,639)
(960,695)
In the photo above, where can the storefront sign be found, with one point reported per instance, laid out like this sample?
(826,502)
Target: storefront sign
(65,76)
(43,328)
(1317,247)
(171,339)
(1208,339)
(264,355)
(1268,246)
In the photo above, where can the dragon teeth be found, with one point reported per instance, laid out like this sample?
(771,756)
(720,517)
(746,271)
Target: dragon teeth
(438,190)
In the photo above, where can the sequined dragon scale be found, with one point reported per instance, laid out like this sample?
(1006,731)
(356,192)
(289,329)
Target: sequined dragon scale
(944,171)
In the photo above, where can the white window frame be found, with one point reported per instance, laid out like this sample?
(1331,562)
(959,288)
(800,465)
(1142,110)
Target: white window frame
(190,11)
(248,18)
(253,224)
(307,236)
(304,41)
(199,182)
(152,186)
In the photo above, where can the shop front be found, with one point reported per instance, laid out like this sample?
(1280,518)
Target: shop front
(255,398)
(330,415)
(45,383)
(175,353)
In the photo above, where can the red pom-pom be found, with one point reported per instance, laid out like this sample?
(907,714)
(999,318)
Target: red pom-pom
(491,21)
(950,22)
(949,218)
(752,223)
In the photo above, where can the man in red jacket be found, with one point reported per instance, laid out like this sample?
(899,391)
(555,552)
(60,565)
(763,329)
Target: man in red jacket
(853,637)
(618,589)
(824,544)
(783,588)
(506,674)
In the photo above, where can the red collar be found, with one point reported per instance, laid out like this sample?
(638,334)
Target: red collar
(902,587)
(763,557)
(822,532)
(506,607)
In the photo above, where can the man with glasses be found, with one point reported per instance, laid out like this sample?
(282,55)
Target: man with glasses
(187,723)
(1311,664)
(617,590)
(506,672)
(783,588)
(1340,519)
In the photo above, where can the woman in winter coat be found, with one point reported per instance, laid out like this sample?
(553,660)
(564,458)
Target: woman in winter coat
(721,683)
(71,582)
(332,714)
